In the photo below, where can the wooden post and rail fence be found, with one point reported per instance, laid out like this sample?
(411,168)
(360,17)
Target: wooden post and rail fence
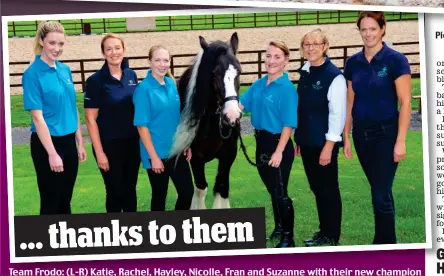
(252,63)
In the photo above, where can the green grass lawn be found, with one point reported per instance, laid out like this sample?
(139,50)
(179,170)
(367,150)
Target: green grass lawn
(247,190)
(20,117)
(201,22)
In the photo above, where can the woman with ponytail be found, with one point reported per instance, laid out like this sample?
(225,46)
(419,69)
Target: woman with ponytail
(157,116)
(109,113)
(49,94)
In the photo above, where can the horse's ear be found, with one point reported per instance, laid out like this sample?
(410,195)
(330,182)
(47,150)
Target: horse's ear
(203,42)
(234,42)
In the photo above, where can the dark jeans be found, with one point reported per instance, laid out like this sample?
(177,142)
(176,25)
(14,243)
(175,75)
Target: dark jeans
(276,179)
(374,147)
(121,178)
(324,184)
(180,175)
(55,188)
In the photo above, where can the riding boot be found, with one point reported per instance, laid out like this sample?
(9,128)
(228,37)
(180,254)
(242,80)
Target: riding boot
(287,215)
(277,232)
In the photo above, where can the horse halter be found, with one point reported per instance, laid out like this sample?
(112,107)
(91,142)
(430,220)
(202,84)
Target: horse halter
(222,122)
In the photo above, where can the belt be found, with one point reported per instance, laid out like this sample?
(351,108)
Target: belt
(263,132)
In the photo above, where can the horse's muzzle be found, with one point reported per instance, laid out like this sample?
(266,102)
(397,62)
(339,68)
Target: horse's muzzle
(227,122)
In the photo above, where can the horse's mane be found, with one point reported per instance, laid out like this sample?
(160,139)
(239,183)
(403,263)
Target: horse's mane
(196,94)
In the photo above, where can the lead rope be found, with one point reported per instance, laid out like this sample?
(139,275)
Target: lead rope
(264,158)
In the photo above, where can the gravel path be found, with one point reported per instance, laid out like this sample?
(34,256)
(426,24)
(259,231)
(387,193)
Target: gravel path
(21,135)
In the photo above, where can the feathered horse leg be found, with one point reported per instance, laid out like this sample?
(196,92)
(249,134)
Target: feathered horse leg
(200,191)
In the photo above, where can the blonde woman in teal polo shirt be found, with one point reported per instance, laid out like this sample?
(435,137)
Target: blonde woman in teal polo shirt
(49,94)
(273,103)
(157,115)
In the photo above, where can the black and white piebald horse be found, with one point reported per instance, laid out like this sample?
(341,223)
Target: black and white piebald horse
(210,116)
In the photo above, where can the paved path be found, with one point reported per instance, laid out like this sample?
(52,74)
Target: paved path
(20,135)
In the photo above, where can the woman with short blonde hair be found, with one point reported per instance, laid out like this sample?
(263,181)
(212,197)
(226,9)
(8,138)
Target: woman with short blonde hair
(321,112)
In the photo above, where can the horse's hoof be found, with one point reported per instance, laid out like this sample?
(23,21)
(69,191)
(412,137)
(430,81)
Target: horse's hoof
(226,203)
(198,201)
(220,202)
(217,204)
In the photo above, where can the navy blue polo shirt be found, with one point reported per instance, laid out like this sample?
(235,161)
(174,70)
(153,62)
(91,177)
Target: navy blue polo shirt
(114,99)
(157,108)
(272,106)
(374,85)
(51,90)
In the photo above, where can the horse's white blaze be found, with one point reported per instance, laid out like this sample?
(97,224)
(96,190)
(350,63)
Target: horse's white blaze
(231,107)
(185,133)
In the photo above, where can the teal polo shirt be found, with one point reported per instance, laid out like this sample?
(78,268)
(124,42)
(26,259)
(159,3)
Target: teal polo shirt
(272,106)
(157,107)
(51,90)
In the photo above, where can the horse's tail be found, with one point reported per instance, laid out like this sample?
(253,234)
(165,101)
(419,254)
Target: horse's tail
(184,136)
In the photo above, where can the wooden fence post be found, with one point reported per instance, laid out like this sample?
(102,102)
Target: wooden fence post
(259,64)
(82,74)
(172,65)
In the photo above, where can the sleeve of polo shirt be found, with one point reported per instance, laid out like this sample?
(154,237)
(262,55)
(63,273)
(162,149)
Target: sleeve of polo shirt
(337,100)
(93,94)
(32,92)
(288,106)
(142,107)
(347,70)
(400,66)
(247,99)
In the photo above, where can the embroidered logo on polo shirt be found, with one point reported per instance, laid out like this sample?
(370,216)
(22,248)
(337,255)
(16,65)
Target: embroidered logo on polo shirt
(383,72)
(270,98)
(317,86)
(131,83)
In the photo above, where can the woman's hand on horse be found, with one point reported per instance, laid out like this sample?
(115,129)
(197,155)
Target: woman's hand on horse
(275,159)
(187,153)
(241,107)
(157,165)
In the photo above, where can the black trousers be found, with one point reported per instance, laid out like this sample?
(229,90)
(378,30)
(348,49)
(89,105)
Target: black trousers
(374,147)
(266,144)
(55,188)
(324,184)
(276,179)
(180,175)
(121,178)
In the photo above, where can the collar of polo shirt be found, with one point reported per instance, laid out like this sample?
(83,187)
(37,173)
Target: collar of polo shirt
(105,69)
(307,65)
(152,81)
(379,55)
(280,80)
(45,66)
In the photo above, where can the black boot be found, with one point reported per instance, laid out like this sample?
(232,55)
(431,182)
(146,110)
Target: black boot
(277,232)
(287,215)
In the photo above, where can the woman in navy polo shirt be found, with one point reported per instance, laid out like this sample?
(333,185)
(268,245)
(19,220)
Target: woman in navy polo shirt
(322,92)
(49,94)
(157,116)
(273,102)
(378,77)
(109,113)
